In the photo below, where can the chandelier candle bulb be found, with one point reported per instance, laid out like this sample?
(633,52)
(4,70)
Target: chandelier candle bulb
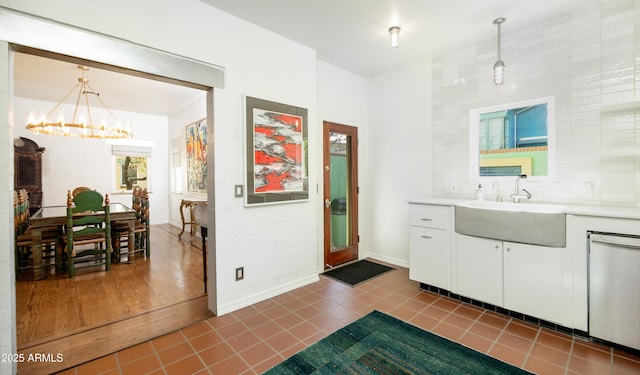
(84,127)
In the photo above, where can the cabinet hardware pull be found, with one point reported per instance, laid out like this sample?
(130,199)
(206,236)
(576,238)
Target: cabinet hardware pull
(426,219)
(508,249)
(497,246)
(427,237)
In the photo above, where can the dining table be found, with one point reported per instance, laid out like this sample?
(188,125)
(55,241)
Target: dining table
(49,216)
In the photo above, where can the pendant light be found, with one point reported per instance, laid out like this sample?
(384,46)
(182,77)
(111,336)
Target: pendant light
(498,67)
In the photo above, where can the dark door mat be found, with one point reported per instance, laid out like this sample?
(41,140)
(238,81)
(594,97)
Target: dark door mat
(358,272)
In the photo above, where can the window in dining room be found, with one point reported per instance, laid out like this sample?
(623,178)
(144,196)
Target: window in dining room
(131,171)
(131,166)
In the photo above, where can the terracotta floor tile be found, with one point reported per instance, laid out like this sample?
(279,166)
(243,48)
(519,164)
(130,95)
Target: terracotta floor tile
(403,313)
(255,338)
(232,365)
(232,330)
(521,329)
(547,354)
(540,366)
(267,330)
(507,354)
(257,353)
(515,342)
(468,311)
(134,353)
(222,321)
(289,320)
(216,353)
(435,313)
(486,331)
(449,331)
(458,321)
(189,365)
(267,364)
(282,341)
(591,354)
(142,365)
(100,365)
(554,340)
(205,341)
(624,365)
(255,320)
(424,321)
(476,342)
(175,353)
(168,340)
(303,330)
(494,320)
(243,341)
(196,330)
(582,366)
(446,304)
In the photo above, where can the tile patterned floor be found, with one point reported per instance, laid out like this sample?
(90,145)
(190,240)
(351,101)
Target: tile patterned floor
(253,339)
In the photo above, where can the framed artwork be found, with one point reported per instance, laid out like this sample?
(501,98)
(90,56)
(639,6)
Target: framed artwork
(276,152)
(196,139)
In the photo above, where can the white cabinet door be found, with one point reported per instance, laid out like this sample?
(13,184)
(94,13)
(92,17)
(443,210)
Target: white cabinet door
(533,280)
(428,256)
(479,268)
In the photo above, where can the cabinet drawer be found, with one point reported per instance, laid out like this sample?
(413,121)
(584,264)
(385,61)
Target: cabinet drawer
(428,216)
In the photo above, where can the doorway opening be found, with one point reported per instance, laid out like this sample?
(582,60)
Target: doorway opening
(134,278)
(340,167)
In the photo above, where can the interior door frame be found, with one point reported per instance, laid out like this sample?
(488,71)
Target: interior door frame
(350,252)
(35,35)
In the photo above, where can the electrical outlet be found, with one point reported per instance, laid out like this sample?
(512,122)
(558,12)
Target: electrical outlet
(239,273)
(453,188)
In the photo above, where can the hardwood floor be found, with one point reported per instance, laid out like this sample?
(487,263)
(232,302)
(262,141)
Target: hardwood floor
(96,306)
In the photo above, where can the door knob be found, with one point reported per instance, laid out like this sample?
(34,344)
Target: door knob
(326,168)
(327,203)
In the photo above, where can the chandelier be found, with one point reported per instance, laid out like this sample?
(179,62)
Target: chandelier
(81,124)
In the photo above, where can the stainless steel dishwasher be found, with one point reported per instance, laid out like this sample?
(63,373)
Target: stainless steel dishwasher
(614,288)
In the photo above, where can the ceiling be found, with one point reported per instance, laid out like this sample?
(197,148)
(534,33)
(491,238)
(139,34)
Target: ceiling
(46,79)
(353,34)
(350,34)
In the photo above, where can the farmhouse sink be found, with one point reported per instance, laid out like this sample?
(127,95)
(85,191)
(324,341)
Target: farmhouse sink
(515,207)
(531,223)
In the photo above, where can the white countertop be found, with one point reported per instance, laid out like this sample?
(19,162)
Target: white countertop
(569,209)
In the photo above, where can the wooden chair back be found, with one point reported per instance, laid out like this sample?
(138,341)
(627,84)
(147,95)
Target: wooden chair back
(79,190)
(88,221)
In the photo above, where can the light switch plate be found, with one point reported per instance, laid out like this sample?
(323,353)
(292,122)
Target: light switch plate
(238,191)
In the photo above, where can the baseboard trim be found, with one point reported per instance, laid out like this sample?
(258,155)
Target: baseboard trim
(387,259)
(265,294)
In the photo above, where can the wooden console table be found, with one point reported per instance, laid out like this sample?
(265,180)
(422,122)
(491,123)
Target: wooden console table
(191,204)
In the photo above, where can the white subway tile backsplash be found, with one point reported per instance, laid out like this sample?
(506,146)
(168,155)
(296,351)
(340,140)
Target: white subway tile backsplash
(582,57)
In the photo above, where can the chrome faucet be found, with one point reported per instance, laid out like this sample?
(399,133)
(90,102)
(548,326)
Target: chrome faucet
(518,194)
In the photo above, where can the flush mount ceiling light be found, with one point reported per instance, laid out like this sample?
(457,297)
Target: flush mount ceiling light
(498,67)
(81,124)
(394,36)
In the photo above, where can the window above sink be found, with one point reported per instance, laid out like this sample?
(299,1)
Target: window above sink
(511,139)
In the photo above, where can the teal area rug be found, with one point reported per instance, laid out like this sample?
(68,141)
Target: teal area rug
(381,344)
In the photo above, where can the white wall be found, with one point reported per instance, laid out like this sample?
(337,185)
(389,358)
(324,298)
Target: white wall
(583,57)
(343,99)
(71,162)
(277,245)
(399,155)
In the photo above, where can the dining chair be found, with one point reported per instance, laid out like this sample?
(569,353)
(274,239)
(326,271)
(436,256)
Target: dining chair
(25,240)
(87,234)
(79,189)
(120,230)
